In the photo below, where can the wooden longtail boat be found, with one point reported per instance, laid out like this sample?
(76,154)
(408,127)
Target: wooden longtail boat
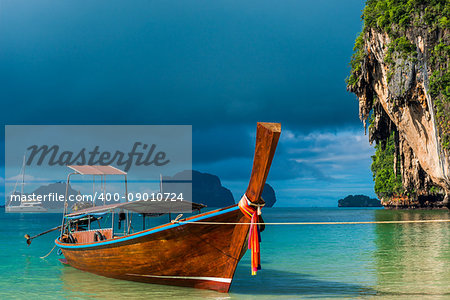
(179,253)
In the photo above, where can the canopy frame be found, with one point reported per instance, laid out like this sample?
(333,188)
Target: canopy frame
(143,207)
(95,170)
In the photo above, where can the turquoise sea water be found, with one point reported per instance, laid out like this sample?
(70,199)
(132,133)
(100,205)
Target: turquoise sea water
(386,261)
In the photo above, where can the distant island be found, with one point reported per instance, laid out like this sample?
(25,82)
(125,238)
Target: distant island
(207,189)
(359,201)
(268,196)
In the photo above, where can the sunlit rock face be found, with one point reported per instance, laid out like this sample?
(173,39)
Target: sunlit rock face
(395,86)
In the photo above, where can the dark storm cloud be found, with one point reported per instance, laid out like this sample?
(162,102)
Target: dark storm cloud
(218,65)
(185,62)
(321,156)
(222,143)
(309,169)
(283,168)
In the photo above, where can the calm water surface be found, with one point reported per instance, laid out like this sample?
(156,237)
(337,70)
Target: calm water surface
(387,261)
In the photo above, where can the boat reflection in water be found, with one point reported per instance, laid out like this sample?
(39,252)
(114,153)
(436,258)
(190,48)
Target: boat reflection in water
(78,284)
(412,259)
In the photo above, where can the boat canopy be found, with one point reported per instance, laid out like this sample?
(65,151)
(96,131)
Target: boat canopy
(140,206)
(97,170)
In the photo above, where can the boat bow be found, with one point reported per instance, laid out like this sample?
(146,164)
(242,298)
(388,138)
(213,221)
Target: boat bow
(267,135)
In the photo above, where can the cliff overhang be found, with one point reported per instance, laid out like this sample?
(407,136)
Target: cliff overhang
(400,74)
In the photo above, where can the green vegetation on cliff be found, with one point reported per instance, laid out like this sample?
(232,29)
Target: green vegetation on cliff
(387,180)
(399,19)
(383,14)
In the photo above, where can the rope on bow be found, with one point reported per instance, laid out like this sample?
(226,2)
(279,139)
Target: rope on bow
(253,210)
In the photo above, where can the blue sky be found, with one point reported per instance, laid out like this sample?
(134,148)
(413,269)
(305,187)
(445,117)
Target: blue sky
(218,65)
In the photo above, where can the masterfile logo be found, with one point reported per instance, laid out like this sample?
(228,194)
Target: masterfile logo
(140,154)
(39,158)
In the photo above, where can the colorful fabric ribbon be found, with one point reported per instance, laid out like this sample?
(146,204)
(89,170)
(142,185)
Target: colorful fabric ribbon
(254,236)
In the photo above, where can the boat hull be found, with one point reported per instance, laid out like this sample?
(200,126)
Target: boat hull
(194,255)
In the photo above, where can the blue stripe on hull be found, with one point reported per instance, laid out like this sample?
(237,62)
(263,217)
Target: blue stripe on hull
(144,233)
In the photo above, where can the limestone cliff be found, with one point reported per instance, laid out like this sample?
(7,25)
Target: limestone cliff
(400,74)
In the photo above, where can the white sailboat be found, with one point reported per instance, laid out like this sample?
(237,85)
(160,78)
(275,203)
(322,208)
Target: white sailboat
(25,206)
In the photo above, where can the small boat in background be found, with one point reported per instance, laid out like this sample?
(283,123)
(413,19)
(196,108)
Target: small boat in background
(26,205)
(201,251)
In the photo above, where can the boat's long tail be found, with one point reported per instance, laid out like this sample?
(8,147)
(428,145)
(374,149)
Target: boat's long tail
(267,135)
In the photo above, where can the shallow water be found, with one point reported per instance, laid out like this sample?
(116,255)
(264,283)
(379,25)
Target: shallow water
(400,261)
